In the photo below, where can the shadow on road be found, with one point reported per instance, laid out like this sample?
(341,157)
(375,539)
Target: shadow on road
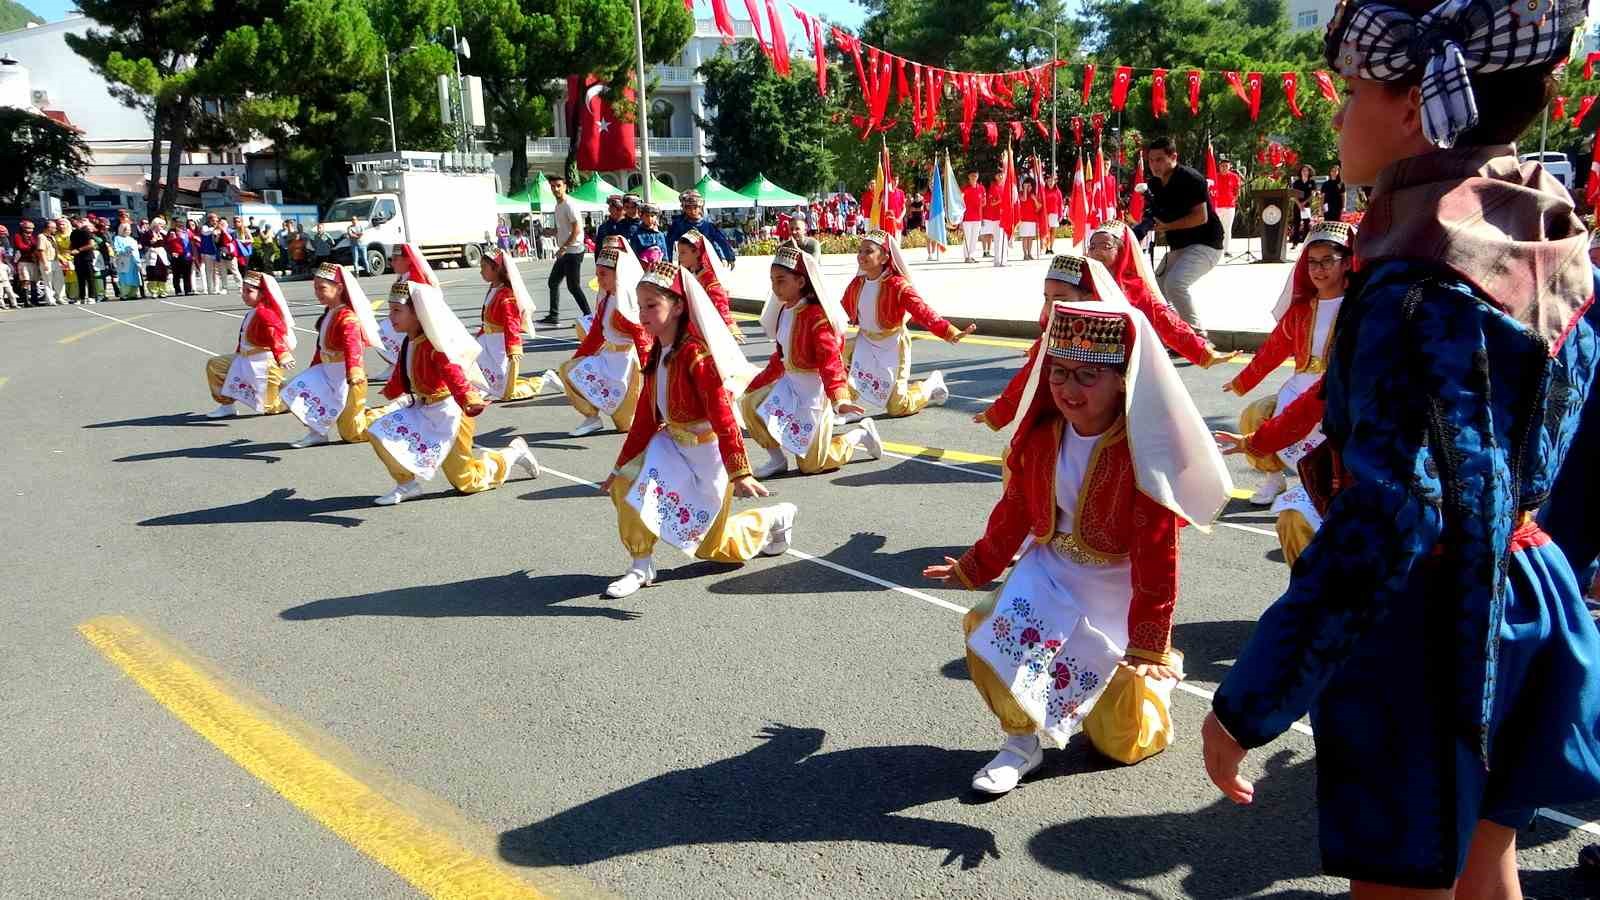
(1209,648)
(860,552)
(907,471)
(280,505)
(239,448)
(780,791)
(167,421)
(1224,850)
(514,594)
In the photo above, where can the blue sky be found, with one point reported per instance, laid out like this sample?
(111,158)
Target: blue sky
(845,12)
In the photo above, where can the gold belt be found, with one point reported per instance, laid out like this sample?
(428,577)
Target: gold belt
(332,356)
(880,335)
(434,397)
(249,350)
(1315,366)
(1067,544)
(684,436)
(492,329)
(616,348)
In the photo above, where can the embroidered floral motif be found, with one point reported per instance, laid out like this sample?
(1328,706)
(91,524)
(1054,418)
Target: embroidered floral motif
(872,386)
(792,431)
(242,391)
(595,383)
(416,452)
(681,522)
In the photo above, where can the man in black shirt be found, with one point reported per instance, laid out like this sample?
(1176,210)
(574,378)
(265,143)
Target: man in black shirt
(1181,207)
(81,243)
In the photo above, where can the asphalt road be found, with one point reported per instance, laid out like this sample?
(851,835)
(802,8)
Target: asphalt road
(797,727)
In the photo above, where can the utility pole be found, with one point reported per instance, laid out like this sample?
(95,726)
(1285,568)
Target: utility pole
(388,90)
(641,110)
(1055,50)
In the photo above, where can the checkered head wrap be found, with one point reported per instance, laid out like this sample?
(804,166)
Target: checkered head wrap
(1449,43)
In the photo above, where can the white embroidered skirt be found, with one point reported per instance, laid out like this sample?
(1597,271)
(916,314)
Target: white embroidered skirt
(247,380)
(419,435)
(679,490)
(316,396)
(797,412)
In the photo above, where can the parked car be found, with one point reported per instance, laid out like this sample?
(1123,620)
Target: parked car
(1555,163)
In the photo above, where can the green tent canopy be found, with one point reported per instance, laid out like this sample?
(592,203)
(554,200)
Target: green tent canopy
(595,190)
(537,197)
(512,206)
(660,194)
(765,193)
(719,196)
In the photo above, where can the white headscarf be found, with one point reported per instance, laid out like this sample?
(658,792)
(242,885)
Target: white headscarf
(708,253)
(734,370)
(1175,459)
(346,278)
(274,292)
(508,266)
(625,299)
(445,332)
(830,304)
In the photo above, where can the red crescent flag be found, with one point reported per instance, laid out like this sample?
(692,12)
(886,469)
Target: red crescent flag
(1558,108)
(991,130)
(1588,65)
(778,43)
(1098,121)
(1291,85)
(813,29)
(1136,202)
(1194,77)
(902,90)
(1232,78)
(1120,82)
(1088,83)
(847,43)
(1009,211)
(1592,187)
(604,143)
(1158,92)
(1253,81)
(1584,106)
(755,25)
(1325,86)
(1016,129)
(1211,173)
(1077,129)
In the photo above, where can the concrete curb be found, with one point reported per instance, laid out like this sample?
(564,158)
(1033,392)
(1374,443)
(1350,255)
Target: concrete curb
(1226,341)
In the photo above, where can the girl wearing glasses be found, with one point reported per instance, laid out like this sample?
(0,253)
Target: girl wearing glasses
(1305,313)
(1109,459)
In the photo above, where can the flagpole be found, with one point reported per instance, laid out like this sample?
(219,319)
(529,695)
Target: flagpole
(639,113)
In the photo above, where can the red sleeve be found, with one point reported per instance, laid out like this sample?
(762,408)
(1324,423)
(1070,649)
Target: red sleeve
(1289,425)
(1277,348)
(505,304)
(923,314)
(454,378)
(1174,332)
(641,338)
(596,335)
(719,299)
(830,362)
(1004,408)
(644,421)
(355,346)
(719,412)
(271,323)
(771,373)
(1153,558)
(1007,528)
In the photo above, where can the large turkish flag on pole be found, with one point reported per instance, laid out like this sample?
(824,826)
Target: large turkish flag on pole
(604,143)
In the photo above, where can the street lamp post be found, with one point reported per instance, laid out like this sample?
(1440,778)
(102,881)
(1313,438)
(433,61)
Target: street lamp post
(641,111)
(388,90)
(1054,55)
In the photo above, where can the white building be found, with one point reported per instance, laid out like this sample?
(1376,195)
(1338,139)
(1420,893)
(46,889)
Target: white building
(678,147)
(1308,14)
(64,86)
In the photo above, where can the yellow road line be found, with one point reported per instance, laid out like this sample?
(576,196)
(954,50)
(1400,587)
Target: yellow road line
(3,380)
(74,338)
(273,748)
(940,453)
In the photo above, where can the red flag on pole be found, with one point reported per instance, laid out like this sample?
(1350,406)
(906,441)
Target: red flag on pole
(1253,81)
(1558,108)
(1121,80)
(1136,203)
(1291,85)
(1098,120)
(1232,78)
(1584,106)
(1194,77)
(1588,65)
(1212,174)
(991,130)
(1088,83)
(1158,92)
(1591,189)
(1077,129)
(1325,86)
(604,144)
(1078,208)
(1009,212)
(778,42)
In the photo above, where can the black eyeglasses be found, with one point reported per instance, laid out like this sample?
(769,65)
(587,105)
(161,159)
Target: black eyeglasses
(1325,264)
(1088,376)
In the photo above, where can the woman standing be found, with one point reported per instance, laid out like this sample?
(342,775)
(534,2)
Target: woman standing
(1333,196)
(792,405)
(1031,209)
(1462,368)
(1109,460)
(1304,185)
(683,461)
(125,255)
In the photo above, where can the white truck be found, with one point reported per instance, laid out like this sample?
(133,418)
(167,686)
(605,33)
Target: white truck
(444,203)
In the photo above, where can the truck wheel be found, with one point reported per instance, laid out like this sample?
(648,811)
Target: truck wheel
(377,262)
(471,254)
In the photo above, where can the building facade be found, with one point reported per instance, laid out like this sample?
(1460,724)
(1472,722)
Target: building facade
(678,146)
(1305,15)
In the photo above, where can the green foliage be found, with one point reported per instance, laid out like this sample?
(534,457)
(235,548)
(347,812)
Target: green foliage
(14,15)
(764,124)
(38,151)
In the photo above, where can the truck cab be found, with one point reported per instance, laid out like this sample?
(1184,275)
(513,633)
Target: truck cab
(444,203)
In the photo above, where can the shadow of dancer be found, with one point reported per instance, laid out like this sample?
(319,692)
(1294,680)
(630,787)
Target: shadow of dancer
(780,791)
(238,448)
(280,505)
(1224,850)
(188,419)
(514,594)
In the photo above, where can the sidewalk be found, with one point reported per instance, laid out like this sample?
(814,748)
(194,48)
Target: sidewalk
(1234,301)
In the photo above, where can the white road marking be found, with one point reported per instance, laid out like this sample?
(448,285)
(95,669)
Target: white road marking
(223,312)
(148,331)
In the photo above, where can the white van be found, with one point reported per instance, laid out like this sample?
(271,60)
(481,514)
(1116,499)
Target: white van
(444,203)
(1555,163)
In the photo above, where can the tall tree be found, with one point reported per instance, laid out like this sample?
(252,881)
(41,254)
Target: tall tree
(38,151)
(529,46)
(764,123)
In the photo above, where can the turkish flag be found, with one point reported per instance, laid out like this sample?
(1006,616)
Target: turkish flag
(1136,202)
(991,130)
(1120,81)
(604,144)
(1558,108)
(1194,77)
(1584,106)
(1088,83)
(1158,92)
(1232,78)
(1253,81)
(1077,129)
(1098,122)
(1291,85)
(1588,65)
(1325,86)
(1016,129)
(1591,190)
(777,41)
(724,19)
(1211,173)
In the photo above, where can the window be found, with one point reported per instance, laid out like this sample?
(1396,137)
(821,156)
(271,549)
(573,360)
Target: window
(1306,19)
(666,179)
(660,118)
(384,211)
(634,180)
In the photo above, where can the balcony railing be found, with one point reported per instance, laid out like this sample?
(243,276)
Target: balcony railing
(557,146)
(672,74)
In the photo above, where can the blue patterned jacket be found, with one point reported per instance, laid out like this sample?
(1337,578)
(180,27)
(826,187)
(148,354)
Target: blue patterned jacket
(1451,419)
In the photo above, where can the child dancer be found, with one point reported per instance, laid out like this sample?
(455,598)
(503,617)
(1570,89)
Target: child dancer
(332,391)
(792,404)
(253,373)
(683,461)
(603,376)
(507,316)
(699,258)
(439,378)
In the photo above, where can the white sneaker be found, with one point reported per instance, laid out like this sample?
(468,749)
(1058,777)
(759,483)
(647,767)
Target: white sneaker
(311,439)
(870,441)
(776,462)
(518,454)
(400,492)
(221,412)
(782,530)
(1269,490)
(937,392)
(551,378)
(631,583)
(1017,757)
(587,426)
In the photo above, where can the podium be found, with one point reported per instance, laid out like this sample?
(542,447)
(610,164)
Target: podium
(1274,209)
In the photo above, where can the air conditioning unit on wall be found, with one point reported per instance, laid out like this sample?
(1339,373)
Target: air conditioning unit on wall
(272,198)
